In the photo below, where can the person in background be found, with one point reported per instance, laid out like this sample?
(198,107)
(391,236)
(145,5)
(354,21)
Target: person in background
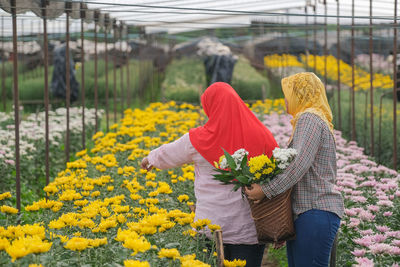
(231,125)
(317,205)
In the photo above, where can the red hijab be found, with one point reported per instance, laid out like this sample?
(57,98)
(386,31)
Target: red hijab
(231,125)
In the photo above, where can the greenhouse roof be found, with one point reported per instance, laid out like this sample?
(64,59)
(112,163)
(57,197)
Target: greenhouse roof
(172,16)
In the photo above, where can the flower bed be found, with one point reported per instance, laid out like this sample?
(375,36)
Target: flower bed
(361,77)
(104,209)
(32,142)
(370,231)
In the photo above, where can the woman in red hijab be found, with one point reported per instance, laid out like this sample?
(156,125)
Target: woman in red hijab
(231,125)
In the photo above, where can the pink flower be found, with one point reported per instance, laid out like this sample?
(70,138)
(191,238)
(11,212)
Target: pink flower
(360,199)
(379,238)
(365,241)
(380,248)
(9,161)
(366,232)
(395,234)
(396,243)
(373,208)
(358,252)
(395,251)
(382,228)
(386,203)
(366,216)
(364,262)
(368,183)
(387,213)
(354,222)
(350,212)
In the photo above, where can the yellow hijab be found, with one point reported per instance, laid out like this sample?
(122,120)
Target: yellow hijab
(305,92)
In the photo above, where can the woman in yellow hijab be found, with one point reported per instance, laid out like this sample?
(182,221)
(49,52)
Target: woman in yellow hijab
(316,204)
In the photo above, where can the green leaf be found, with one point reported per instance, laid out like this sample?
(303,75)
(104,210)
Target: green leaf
(243,164)
(230,160)
(221,171)
(236,187)
(242,179)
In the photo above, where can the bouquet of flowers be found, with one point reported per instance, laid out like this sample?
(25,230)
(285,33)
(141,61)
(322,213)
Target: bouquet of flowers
(272,224)
(241,171)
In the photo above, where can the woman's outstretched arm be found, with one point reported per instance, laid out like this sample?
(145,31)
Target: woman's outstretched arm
(170,155)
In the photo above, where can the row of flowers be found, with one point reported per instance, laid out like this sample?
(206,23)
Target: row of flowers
(104,209)
(370,231)
(32,130)
(361,77)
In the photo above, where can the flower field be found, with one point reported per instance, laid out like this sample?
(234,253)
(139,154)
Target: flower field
(361,77)
(370,231)
(104,210)
(32,144)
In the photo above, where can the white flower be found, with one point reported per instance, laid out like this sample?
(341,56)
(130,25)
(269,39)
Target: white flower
(284,156)
(223,164)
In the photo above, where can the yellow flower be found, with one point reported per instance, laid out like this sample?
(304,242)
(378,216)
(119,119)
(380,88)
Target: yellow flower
(134,263)
(214,227)
(77,243)
(5,195)
(8,209)
(139,244)
(200,224)
(235,263)
(182,198)
(172,253)
(81,153)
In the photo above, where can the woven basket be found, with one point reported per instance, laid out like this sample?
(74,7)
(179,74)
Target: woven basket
(273,218)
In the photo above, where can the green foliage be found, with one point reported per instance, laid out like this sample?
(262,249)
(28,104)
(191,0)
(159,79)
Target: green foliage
(248,82)
(184,78)
(383,154)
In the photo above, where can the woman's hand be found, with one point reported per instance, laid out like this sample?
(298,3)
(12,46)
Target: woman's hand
(254,193)
(145,164)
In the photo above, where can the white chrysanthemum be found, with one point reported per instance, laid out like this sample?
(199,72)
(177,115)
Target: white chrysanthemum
(284,156)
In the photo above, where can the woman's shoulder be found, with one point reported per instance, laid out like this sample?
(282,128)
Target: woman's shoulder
(309,117)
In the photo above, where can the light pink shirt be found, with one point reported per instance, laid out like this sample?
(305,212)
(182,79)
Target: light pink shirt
(214,200)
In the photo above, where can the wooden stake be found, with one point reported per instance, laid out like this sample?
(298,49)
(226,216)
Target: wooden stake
(219,247)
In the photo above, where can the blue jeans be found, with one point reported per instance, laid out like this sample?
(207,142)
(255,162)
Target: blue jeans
(253,254)
(315,233)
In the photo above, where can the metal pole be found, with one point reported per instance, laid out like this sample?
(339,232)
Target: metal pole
(128,90)
(371,80)
(325,43)
(115,72)
(46,88)
(83,77)
(305,10)
(332,260)
(22,48)
(32,74)
(16,104)
(3,73)
(338,66)
(67,77)
(315,36)
(121,73)
(395,88)
(96,97)
(106,66)
(353,112)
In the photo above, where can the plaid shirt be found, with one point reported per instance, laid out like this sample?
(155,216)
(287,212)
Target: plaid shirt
(312,174)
